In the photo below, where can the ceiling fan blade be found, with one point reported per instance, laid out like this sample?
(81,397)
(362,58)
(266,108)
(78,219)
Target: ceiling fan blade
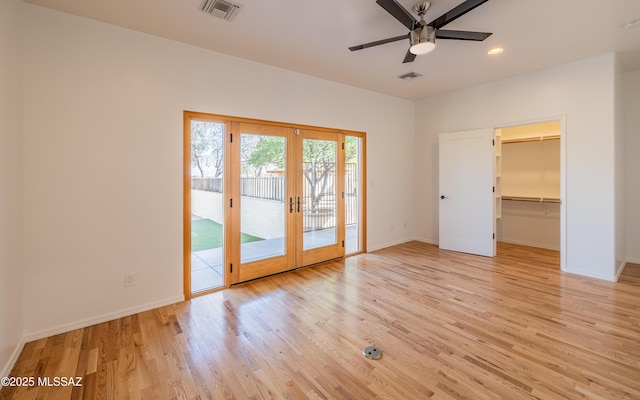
(455,13)
(398,12)
(409,57)
(378,42)
(462,35)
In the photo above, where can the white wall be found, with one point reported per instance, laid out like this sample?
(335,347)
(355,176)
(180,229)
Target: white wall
(531,169)
(103,162)
(584,92)
(11,312)
(632,145)
(530,224)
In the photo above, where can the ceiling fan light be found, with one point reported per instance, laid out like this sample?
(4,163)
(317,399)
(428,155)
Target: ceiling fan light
(423,40)
(422,48)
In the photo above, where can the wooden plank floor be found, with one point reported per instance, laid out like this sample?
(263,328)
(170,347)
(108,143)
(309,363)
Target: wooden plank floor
(451,326)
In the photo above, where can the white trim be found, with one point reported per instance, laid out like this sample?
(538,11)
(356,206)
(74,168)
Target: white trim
(563,178)
(11,362)
(563,193)
(100,319)
(588,274)
(530,244)
(429,241)
(394,243)
(620,269)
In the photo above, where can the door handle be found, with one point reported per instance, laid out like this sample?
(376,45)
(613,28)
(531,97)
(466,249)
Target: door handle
(290,205)
(298,203)
(443,197)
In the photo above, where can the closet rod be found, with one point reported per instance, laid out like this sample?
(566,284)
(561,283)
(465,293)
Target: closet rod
(532,199)
(532,139)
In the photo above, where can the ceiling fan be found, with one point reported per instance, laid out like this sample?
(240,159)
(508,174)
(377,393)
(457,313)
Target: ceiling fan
(423,36)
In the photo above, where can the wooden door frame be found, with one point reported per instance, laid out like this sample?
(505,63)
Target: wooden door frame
(229,187)
(321,254)
(188,116)
(362,201)
(238,274)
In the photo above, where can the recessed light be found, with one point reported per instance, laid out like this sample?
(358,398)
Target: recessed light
(495,50)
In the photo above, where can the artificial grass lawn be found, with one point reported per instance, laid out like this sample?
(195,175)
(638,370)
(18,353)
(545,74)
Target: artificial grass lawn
(207,234)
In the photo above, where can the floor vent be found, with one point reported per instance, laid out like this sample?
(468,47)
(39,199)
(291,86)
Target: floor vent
(221,9)
(410,76)
(372,352)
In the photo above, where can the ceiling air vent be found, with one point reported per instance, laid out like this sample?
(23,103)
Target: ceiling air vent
(410,76)
(221,9)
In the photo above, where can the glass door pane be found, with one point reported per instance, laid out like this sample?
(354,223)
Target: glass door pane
(263,196)
(353,194)
(319,193)
(320,185)
(207,205)
(262,243)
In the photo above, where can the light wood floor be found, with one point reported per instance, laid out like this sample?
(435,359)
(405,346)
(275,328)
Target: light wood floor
(450,326)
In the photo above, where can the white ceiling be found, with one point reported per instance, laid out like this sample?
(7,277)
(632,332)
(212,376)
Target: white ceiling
(312,37)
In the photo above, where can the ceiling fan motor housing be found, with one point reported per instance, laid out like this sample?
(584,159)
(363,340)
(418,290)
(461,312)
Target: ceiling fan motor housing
(423,40)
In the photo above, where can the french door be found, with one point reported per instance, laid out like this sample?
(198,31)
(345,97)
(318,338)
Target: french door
(263,189)
(289,184)
(262,198)
(320,193)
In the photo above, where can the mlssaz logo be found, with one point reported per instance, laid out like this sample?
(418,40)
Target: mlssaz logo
(60,381)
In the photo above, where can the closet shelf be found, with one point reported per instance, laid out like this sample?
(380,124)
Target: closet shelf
(532,199)
(531,139)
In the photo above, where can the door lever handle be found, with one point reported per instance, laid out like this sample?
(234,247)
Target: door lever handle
(443,197)
(290,205)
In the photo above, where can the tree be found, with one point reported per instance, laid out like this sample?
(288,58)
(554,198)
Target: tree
(319,164)
(351,149)
(318,169)
(207,147)
(265,152)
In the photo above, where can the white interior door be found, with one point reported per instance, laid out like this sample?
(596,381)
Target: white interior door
(467,216)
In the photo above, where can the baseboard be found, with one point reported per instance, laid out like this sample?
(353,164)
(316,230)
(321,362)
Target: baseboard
(588,274)
(99,319)
(6,370)
(530,244)
(430,241)
(632,260)
(389,244)
(619,270)
(436,243)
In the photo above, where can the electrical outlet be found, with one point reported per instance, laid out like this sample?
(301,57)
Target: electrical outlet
(129,279)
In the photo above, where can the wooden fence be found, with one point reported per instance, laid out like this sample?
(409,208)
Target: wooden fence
(273,188)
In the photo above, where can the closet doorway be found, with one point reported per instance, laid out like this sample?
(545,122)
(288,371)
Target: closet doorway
(280,196)
(530,185)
